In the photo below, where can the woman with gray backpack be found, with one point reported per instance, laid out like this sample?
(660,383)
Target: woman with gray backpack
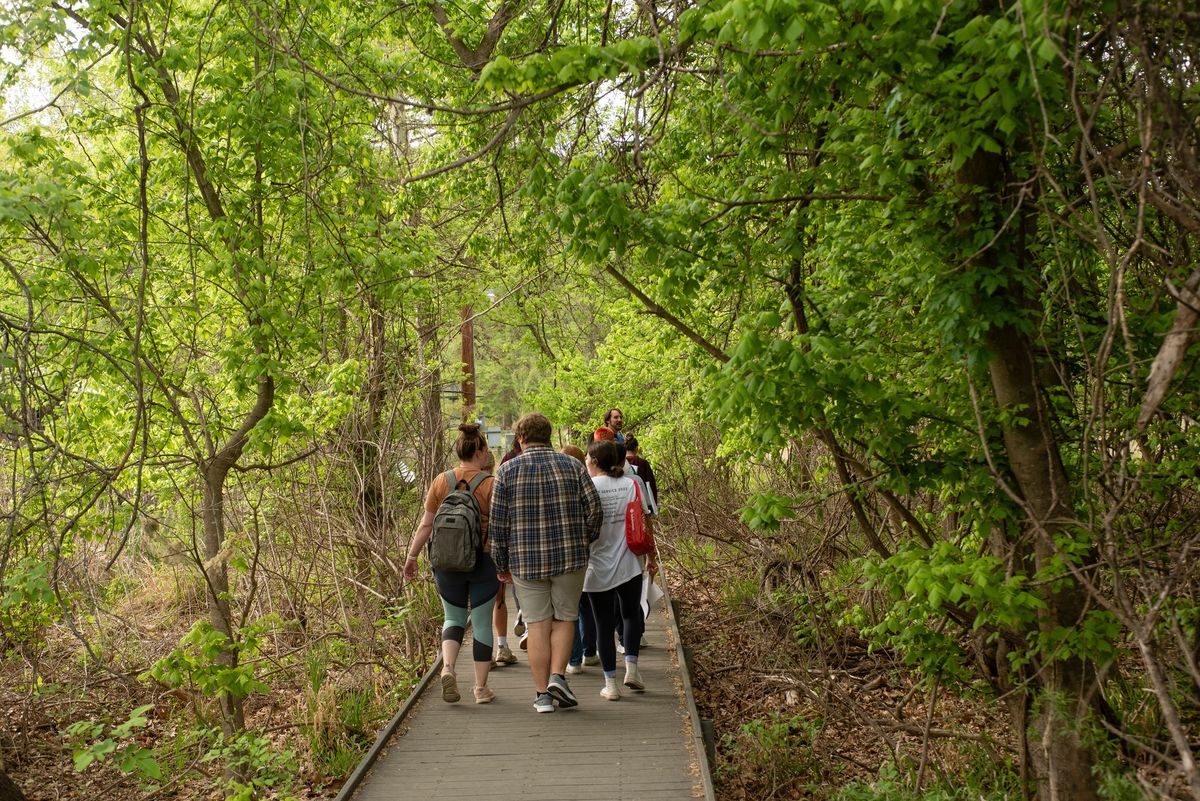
(455,527)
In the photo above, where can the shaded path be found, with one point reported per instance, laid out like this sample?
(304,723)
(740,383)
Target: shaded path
(640,748)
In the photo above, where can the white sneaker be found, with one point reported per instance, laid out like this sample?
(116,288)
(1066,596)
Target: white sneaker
(611,691)
(633,679)
(620,648)
(574,668)
(594,659)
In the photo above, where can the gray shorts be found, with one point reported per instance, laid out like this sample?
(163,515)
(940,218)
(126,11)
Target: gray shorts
(556,597)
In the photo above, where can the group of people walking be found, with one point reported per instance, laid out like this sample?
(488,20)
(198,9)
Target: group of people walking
(554,531)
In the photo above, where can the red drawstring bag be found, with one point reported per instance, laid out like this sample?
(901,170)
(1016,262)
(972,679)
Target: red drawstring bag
(637,533)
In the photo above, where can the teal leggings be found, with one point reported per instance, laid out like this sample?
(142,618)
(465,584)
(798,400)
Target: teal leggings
(477,591)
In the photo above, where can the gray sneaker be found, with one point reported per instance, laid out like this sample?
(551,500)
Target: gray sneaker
(544,702)
(561,691)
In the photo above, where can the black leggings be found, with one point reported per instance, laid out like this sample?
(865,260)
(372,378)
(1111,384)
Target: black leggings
(629,597)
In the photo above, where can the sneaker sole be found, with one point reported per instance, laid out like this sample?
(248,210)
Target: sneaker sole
(537,708)
(485,699)
(450,692)
(565,701)
(607,697)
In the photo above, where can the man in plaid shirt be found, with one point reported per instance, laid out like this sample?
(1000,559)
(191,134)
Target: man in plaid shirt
(545,515)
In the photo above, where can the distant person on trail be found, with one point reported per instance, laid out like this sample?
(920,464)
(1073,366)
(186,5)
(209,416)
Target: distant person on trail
(460,591)
(613,584)
(642,468)
(605,433)
(575,452)
(602,434)
(583,652)
(615,420)
(545,515)
(512,453)
(505,655)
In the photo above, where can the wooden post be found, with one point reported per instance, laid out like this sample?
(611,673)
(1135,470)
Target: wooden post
(467,332)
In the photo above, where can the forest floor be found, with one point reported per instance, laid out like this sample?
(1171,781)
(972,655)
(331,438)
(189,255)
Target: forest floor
(797,713)
(820,716)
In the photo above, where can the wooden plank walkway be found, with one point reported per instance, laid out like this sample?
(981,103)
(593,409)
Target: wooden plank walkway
(641,748)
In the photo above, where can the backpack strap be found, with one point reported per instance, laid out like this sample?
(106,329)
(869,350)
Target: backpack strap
(451,482)
(475,482)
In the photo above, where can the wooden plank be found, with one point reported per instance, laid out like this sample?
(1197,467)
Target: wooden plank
(639,748)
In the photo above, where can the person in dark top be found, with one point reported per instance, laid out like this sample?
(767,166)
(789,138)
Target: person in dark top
(641,467)
(513,452)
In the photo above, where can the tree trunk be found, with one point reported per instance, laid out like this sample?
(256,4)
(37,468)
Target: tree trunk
(367,433)
(216,573)
(9,791)
(467,335)
(1061,761)
(216,559)
(430,448)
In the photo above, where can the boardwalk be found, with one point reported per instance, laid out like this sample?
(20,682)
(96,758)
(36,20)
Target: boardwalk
(640,748)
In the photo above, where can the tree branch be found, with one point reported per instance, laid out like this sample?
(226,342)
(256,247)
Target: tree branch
(671,319)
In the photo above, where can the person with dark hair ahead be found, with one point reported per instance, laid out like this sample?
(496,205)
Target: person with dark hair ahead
(614,576)
(643,469)
(614,418)
(545,515)
(460,592)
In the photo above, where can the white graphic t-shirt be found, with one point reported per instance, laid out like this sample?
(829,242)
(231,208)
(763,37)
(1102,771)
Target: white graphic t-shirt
(611,563)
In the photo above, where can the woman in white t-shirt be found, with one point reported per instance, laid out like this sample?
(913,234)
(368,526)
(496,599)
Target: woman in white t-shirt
(613,584)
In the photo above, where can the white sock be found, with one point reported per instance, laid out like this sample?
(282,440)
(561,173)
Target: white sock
(502,642)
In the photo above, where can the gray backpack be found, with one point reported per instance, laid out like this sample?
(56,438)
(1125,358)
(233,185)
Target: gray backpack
(457,537)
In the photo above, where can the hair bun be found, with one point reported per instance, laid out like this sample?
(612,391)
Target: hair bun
(469,428)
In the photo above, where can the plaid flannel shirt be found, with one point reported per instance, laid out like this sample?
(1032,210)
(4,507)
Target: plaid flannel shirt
(545,515)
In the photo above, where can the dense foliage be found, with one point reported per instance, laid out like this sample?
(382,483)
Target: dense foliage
(929,263)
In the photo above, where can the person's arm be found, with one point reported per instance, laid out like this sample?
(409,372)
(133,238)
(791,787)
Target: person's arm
(593,507)
(652,557)
(424,529)
(498,529)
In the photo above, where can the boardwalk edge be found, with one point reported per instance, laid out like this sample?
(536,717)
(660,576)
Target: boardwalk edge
(685,670)
(386,733)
